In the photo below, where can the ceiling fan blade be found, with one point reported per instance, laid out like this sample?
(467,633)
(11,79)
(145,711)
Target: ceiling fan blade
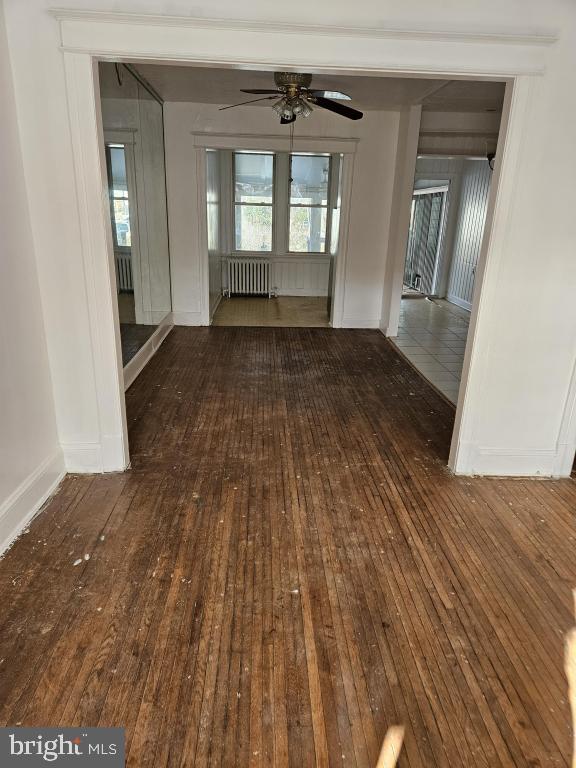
(259,90)
(339,109)
(331,95)
(285,121)
(231,106)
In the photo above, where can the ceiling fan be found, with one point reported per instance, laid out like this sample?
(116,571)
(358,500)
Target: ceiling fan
(295,98)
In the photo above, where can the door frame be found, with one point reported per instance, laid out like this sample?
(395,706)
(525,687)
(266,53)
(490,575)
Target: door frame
(87,37)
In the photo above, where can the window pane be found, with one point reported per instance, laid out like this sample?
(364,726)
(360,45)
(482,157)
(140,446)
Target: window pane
(122,222)
(253,227)
(253,177)
(307,230)
(120,205)
(309,179)
(118,169)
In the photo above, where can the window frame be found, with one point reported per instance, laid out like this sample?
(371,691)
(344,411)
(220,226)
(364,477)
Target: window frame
(271,205)
(328,206)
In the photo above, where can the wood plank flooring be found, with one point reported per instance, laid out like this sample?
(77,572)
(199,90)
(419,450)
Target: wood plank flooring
(288,569)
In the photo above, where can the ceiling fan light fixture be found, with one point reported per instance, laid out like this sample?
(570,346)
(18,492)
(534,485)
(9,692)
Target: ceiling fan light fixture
(300,107)
(296,99)
(284,109)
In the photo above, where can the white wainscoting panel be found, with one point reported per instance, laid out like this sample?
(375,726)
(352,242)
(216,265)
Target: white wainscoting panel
(301,276)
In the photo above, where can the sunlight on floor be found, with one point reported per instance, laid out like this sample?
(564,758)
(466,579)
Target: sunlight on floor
(280,312)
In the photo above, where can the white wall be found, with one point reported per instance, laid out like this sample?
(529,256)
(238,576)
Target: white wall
(369,210)
(502,427)
(30,457)
(471,218)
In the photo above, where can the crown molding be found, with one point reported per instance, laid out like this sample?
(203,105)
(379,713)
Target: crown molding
(508,37)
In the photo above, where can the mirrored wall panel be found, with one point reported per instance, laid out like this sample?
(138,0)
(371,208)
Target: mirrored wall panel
(134,142)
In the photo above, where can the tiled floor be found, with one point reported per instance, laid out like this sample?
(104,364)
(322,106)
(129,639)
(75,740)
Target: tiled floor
(432,335)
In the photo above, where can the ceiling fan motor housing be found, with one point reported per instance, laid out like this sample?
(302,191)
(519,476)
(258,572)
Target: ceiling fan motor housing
(292,80)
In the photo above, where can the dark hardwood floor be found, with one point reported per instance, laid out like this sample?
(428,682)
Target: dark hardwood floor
(289,568)
(133,338)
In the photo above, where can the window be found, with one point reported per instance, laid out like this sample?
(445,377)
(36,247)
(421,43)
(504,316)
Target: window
(253,201)
(118,189)
(282,203)
(309,183)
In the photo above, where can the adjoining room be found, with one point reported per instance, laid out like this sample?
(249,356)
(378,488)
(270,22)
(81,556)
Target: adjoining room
(456,152)
(282,240)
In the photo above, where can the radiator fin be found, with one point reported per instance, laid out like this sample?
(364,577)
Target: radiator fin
(249,277)
(124,272)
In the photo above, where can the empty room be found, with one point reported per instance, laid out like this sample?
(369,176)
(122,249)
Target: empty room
(288,414)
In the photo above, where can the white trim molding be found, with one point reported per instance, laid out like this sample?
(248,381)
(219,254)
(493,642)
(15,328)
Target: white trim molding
(97,254)
(360,322)
(172,38)
(188,318)
(566,448)
(519,37)
(274,142)
(25,502)
(511,462)
(134,367)
(406,155)
(459,302)
(516,56)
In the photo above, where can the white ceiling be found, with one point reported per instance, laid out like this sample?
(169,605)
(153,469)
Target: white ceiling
(222,86)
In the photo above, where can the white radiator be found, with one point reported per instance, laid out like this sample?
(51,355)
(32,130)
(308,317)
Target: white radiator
(123,272)
(249,277)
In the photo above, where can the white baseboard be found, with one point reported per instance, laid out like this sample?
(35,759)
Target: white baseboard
(215,307)
(21,506)
(302,292)
(564,460)
(84,458)
(95,458)
(135,366)
(187,318)
(459,302)
(509,462)
(359,321)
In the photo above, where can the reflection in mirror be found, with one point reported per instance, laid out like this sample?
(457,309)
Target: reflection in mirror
(134,142)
